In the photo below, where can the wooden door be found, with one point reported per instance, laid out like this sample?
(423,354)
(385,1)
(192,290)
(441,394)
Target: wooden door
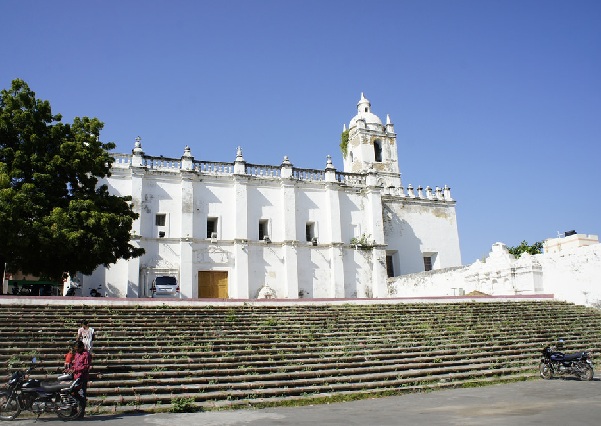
(212,284)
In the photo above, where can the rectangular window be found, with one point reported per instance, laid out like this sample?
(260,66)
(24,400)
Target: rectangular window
(263,229)
(310,231)
(389,266)
(427,263)
(160,219)
(211,227)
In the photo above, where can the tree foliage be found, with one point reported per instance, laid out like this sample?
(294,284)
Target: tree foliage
(535,248)
(54,216)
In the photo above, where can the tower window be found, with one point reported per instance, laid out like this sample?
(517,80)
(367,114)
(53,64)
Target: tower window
(366,109)
(159,219)
(378,151)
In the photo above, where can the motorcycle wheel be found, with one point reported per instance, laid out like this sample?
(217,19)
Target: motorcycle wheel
(72,411)
(9,407)
(586,373)
(546,371)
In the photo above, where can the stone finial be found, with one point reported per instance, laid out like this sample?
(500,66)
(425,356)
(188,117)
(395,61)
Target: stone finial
(239,157)
(138,146)
(344,127)
(419,192)
(187,159)
(410,192)
(329,164)
(388,119)
(286,162)
(429,195)
(447,193)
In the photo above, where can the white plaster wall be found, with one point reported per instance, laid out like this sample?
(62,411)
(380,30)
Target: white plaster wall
(352,217)
(415,228)
(572,275)
(321,273)
(305,272)
(214,199)
(113,281)
(412,226)
(265,202)
(310,203)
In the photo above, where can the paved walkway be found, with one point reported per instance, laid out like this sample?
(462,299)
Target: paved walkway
(557,402)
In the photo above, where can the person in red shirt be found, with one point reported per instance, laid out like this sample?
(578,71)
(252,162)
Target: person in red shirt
(80,368)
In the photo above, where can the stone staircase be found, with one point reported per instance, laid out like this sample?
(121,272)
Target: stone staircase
(179,358)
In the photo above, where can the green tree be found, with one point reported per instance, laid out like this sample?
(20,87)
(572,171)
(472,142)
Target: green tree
(54,216)
(535,248)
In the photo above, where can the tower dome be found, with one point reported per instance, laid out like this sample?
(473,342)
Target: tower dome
(364,113)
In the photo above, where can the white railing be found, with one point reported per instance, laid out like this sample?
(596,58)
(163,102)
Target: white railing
(351,179)
(162,163)
(311,175)
(214,167)
(121,160)
(263,171)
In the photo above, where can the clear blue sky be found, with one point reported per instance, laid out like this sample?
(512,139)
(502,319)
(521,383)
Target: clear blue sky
(500,100)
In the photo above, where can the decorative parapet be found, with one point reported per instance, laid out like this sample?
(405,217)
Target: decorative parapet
(214,167)
(310,175)
(438,194)
(263,171)
(330,174)
(351,179)
(161,163)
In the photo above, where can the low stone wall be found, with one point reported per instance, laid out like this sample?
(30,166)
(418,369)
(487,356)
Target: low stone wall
(571,275)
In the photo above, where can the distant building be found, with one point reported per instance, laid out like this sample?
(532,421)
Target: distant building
(569,242)
(240,230)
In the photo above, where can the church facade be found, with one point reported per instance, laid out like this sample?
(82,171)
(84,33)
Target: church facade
(243,231)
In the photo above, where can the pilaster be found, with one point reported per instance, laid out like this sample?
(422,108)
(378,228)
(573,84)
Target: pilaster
(133,289)
(239,284)
(288,191)
(187,280)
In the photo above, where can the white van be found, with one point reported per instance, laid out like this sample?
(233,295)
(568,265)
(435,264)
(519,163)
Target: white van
(165,286)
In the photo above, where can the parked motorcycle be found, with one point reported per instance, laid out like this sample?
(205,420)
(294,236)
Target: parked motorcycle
(554,362)
(24,393)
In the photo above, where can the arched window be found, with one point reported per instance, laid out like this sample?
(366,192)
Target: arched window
(378,151)
(352,157)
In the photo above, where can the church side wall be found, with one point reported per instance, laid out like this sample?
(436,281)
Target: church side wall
(289,266)
(415,229)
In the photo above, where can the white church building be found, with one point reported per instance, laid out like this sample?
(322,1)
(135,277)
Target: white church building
(243,231)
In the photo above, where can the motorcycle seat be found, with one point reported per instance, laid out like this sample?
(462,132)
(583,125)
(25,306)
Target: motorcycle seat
(54,387)
(573,356)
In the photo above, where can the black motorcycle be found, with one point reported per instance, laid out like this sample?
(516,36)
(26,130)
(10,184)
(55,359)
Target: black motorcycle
(23,393)
(553,362)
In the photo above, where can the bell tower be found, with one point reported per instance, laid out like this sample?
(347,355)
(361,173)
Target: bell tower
(371,145)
